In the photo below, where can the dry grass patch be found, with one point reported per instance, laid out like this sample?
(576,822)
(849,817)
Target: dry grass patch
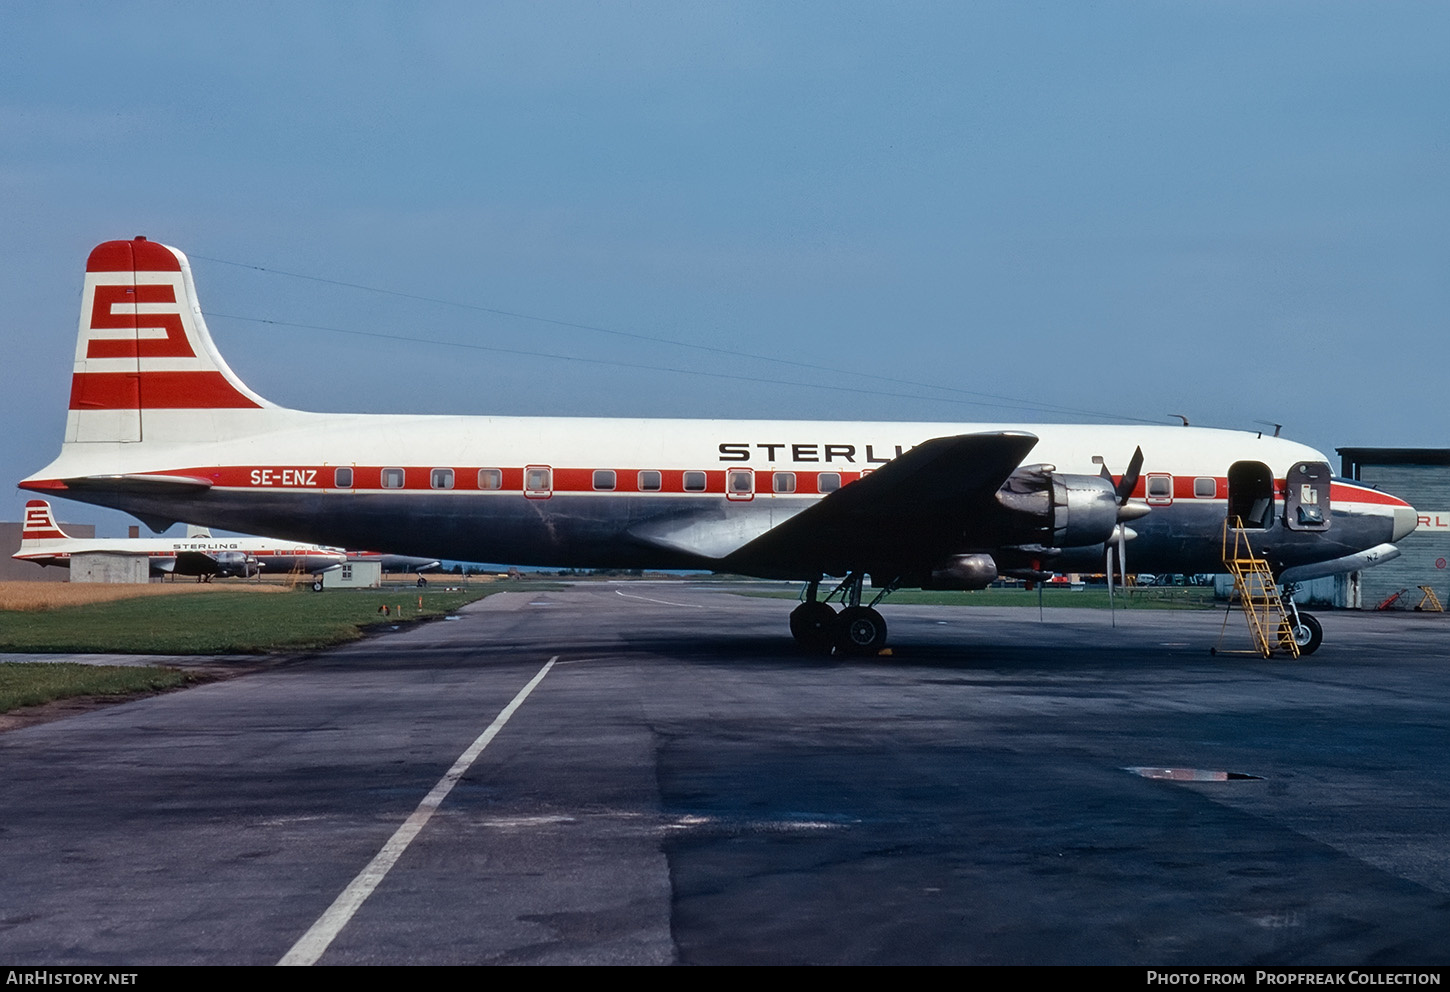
(34,596)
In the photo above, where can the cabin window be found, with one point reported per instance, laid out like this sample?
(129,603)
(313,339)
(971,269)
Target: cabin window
(604,479)
(490,478)
(1205,488)
(782,482)
(538,482)
(342,478)
(393,478)
(441,478)
(695,482)
(1159,489)
(650,481)
(739,483)
(828,482)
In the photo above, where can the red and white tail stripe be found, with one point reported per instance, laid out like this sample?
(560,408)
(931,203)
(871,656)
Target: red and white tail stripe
(40,523)
(143,345)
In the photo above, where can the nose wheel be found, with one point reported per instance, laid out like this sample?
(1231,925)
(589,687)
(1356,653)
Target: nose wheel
(1308,634)
(1303,627)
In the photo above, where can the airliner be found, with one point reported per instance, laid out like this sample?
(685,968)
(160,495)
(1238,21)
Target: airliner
(43,542)
(161,427)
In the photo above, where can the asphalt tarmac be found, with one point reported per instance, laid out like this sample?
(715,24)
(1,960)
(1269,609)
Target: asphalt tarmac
(681,786)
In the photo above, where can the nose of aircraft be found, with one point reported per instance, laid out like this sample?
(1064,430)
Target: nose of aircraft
(1406,520)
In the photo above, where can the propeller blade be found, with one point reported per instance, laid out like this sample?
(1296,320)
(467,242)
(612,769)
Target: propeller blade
(1109,563)
(1130,477)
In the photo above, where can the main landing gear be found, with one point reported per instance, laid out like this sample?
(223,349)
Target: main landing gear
(856,630)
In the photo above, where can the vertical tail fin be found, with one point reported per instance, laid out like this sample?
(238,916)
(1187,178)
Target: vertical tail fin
(145,365)
(40,524)
(192,530)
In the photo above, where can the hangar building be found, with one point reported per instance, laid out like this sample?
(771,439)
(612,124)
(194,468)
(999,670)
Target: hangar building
(1420,476)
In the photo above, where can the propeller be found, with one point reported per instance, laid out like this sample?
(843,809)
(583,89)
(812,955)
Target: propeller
(1129,479)
(1126,511)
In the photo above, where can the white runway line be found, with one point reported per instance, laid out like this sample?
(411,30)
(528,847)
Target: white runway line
(316,940)
(646,599)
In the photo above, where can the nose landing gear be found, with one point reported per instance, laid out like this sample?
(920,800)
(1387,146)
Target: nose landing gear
(1308,634)
(1305,628)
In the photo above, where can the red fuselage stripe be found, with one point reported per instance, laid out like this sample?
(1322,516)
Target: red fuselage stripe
(369,478)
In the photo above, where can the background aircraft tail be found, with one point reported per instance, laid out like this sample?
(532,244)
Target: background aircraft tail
(146,367)
(40,524)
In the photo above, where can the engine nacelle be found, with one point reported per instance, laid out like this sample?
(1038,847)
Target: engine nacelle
(963,572)
(236,564)
(1066,511)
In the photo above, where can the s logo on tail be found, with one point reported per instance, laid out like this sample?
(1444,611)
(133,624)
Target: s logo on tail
(143,345)
(40,524)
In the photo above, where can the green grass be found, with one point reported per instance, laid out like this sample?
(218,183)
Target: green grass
(1093,597)
(220,623)
(33,683)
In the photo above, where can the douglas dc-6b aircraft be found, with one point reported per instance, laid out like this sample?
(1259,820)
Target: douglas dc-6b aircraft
(198,553)
(159,426)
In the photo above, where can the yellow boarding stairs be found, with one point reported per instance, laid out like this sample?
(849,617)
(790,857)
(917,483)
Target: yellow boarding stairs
(1271,621)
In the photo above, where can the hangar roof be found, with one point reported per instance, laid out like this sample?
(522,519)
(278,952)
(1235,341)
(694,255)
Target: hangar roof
(1352,458)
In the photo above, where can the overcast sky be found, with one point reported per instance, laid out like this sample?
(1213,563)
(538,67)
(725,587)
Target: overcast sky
(1237,211)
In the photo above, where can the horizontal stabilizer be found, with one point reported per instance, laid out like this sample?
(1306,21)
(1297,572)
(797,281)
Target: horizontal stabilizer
(148,484)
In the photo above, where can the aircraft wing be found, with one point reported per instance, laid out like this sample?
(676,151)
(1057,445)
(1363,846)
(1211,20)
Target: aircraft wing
(194,563)
(918,507)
